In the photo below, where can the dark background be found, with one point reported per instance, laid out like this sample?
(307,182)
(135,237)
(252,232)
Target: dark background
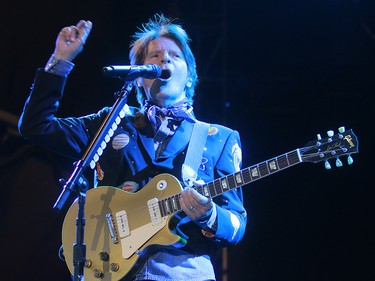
(279,72)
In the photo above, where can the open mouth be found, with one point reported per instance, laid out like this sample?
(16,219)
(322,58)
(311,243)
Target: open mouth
(165,75)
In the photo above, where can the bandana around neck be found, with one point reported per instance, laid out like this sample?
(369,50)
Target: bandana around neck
(179,111)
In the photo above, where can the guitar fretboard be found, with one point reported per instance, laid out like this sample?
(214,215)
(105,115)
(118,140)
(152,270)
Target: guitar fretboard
(245,176)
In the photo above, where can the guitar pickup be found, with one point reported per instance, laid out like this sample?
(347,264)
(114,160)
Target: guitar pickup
(154,210)
(122,224)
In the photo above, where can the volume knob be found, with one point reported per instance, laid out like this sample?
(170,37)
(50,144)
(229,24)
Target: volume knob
(104,256)
(97,273)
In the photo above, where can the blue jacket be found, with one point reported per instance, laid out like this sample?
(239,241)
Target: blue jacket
(130,155)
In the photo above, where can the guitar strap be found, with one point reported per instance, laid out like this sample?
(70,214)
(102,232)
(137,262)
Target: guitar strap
(194,152)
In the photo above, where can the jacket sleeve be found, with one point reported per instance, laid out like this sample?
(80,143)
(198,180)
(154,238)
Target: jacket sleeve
(231,217)
(39,124)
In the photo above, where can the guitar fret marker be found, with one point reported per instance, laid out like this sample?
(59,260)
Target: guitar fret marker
(239,179)
(177,198)
(170,205)
(174,204)
(272,165)
(206,191)
(224,184)
(166,206)
(254,172)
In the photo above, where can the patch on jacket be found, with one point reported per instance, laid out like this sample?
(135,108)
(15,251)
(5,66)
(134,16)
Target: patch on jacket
(120,141)
(129,186)
(237,156)
(212,131)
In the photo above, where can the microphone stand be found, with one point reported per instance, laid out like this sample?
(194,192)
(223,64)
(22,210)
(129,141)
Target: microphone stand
(77,183)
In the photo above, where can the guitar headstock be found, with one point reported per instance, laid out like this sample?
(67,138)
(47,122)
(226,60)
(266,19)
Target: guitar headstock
(345,142)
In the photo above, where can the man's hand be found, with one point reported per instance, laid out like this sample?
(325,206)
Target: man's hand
(71,39)
(195,205)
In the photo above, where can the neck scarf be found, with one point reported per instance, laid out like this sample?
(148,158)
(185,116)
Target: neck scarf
(166,120)
(179,111)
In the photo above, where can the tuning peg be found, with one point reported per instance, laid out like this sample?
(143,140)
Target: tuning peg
(350,160)
(327,165)
(342,129)
(338,163)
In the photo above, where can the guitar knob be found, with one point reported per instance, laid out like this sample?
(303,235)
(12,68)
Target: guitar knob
(88,263)
(114,267)
(103,256)
(97,273)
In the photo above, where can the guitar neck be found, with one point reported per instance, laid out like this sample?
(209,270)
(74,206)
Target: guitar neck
(250,174)
(245,176)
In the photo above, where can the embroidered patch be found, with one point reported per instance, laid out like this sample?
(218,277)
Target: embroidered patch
(120,141)
(202,166)
(99,172)
(212,131)
(130,186)
(237,156)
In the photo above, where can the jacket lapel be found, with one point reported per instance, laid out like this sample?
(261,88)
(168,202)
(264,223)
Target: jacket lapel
(177,143)
(148,141)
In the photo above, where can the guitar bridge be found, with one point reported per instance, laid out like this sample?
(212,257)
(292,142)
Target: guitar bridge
(111,228)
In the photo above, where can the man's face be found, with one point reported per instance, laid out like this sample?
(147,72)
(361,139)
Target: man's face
(164,92)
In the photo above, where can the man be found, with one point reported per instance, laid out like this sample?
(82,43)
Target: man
(152,141)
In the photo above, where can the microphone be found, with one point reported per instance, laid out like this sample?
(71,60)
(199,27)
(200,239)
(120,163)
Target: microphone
(132,72)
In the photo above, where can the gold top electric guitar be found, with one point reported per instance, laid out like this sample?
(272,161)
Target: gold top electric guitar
(122,228)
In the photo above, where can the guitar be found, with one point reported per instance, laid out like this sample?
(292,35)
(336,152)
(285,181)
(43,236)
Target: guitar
(123,228)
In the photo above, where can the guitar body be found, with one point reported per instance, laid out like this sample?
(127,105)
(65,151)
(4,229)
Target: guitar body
(125,256)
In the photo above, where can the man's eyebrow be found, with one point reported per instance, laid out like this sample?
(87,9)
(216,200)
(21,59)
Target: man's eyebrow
(155,51)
